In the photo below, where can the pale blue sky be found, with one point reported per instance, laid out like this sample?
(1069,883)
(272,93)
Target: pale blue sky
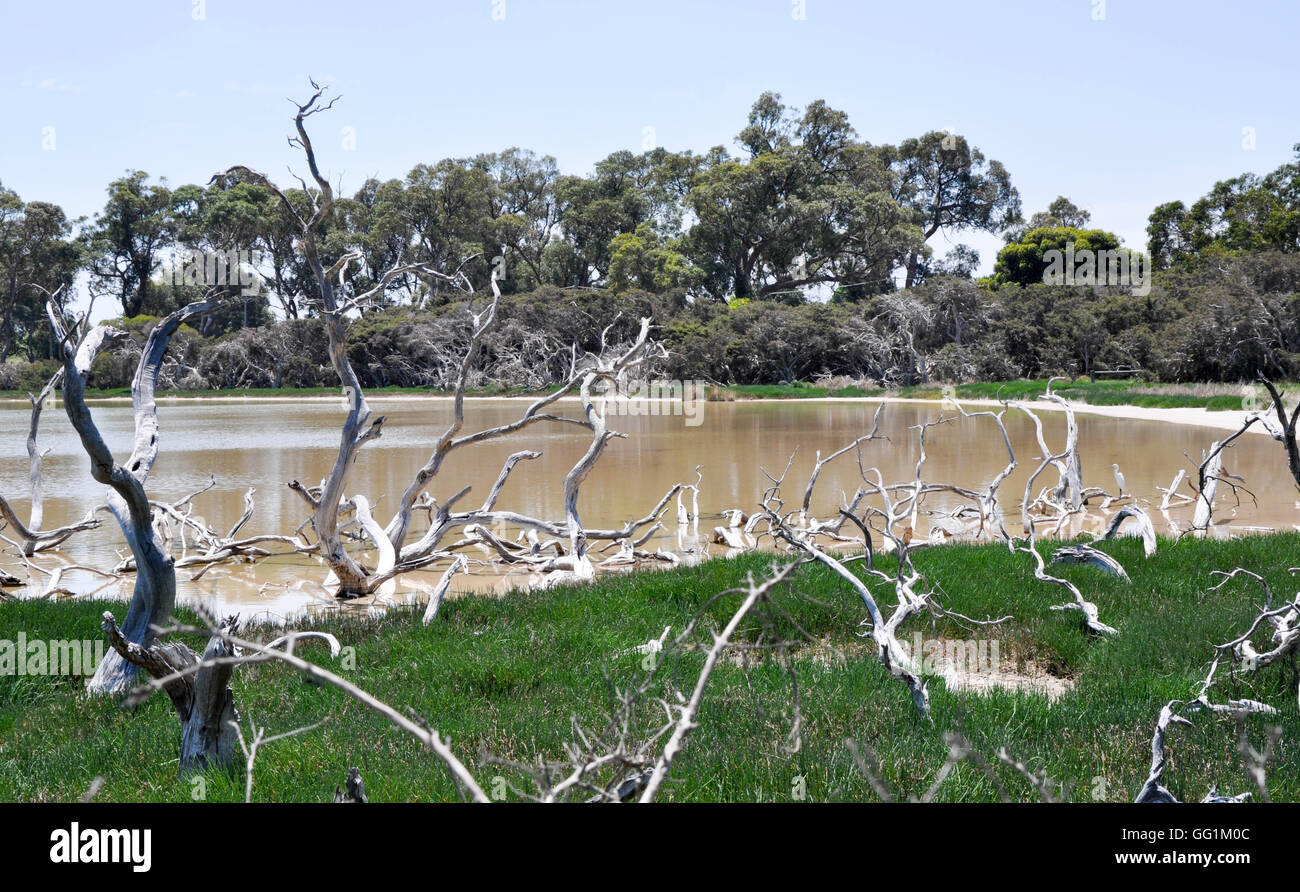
(1144,106)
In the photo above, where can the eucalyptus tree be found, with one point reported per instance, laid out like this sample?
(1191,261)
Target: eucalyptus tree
(448,208)
(228,221)
(1242,214)
(130,237)
(1022,260)
(38,256)
(624,195)
(644,259)
(809,205)
(524,210)
(948,185)
(1061,212)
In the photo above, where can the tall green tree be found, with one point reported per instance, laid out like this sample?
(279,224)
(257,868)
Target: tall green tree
(948,184)
(448,208)
(624,193)
(1022,262)
(810,205)
(130,236)
(230,220)
(1248,213)
(524,210)
(37,255)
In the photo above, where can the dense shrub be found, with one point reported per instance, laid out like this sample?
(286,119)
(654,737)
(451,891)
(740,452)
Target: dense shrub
(1223,320)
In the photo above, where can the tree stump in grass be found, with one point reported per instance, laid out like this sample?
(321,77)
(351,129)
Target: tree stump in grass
(203,700)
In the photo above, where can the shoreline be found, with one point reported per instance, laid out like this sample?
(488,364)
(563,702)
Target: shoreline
(1219,419)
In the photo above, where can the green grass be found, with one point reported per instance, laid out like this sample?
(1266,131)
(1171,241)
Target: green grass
(1126,392)
(1129,392)
(504,675)
(797,390)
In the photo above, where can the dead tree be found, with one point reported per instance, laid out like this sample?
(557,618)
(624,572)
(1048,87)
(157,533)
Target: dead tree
(360,425)
(990,511)
(1243,659)
(1210,474)
(1241,653)
(1059,461)
(198,686)
(1285,429)
(898,517)
(590,377)
(202,697)
(176,519)
(155,583)
(1141,520)
(31,538)
(1069,465)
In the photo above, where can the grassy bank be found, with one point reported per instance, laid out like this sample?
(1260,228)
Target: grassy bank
(1127,392)
(503,676)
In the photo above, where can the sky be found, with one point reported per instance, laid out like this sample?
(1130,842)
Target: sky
(1118,104)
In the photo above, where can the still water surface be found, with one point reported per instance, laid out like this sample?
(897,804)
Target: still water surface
(267,443)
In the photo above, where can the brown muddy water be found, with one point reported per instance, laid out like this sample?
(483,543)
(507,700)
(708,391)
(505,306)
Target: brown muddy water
(267,443)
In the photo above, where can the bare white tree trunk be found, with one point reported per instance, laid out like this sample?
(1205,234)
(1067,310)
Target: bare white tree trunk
(155,583)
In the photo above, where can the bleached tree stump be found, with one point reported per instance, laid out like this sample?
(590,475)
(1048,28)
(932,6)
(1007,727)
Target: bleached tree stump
(202,697)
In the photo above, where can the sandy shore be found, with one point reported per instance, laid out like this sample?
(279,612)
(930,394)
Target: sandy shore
(1219,419)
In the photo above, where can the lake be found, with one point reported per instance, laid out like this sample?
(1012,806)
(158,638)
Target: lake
(267,443)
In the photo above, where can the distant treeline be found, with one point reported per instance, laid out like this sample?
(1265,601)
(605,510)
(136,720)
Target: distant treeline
(804,255)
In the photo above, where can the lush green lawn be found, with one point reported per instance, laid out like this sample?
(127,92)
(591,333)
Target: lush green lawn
(502,676)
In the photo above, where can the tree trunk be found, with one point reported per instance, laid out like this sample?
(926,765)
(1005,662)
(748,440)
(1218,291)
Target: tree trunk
(8,325)
(155,583)
(203,700)
(913,266)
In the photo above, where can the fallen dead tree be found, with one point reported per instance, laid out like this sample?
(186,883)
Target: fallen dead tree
(593,377)
(177,526)
(1141,520)
(1062,462)
(31,539)
(1242,658)
(894,520)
